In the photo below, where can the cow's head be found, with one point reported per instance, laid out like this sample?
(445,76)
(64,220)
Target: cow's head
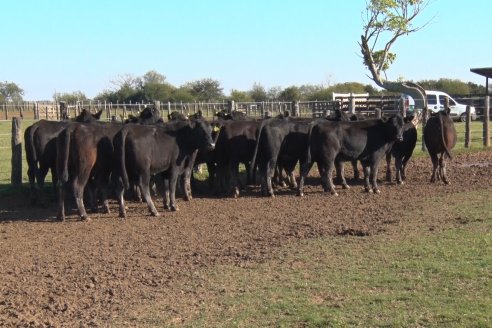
(394,128)
(85,116)
(202,134)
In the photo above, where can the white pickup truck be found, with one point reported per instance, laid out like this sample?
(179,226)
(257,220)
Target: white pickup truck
(436,101)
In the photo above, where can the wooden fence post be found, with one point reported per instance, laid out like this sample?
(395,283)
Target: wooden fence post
(486,121)
(351,104)
(6,110)
(16,173)
(467,127)
(378,112)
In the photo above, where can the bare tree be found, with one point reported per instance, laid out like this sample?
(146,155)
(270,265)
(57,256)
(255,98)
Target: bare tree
(385,22)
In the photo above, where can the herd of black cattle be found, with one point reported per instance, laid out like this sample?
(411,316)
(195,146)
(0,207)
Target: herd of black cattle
(87,156)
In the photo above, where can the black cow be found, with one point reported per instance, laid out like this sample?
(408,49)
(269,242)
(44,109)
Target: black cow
(281,143)
(235,145)
(233,115)
(402,151)
(142,151)
(334,142)
(85,153)
(177,116)
(149,115)
(40,147)
(440,138)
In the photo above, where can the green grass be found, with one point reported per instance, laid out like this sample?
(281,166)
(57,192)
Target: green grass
(440,279)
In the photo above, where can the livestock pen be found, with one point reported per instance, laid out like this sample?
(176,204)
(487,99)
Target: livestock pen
(33,111)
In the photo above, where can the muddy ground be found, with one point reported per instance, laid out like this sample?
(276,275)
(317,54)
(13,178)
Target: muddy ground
(101,272)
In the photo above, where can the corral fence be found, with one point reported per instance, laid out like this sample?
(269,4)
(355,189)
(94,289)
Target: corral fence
(368,106)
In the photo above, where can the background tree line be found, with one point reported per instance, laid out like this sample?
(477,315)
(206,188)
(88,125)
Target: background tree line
(153,86)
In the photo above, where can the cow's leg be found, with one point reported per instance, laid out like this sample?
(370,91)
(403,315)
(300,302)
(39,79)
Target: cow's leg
(40,177)
(373,176)
(270,169)
(292,179)
(61,201)
(120,194)
(78,192)
(404,167)
(388,167)
(442,166)
(187,183)
(235,181)
(249,180)
(367,170)
(435,164)
(211,175)
(144,188)
(399,169)
(304,170)
(166,199)
(341,174)
(31,173)
(356,170)
(329,177)
(173,178)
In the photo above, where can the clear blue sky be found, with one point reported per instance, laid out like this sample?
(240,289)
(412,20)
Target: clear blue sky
(66,46)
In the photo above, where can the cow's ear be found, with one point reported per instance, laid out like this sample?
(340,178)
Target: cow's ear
(98,114)
(408,118)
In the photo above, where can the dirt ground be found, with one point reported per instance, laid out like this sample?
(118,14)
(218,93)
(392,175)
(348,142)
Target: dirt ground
(97,273)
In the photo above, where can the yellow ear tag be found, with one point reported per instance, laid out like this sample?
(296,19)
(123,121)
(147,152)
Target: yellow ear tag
(216,129)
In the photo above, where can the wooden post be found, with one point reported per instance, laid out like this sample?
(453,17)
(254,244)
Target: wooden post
(467,127)
(401,104)
(16,173)
(351,104)
(425,112)
(486,121)
(168,108)
(378,112)
(6,110)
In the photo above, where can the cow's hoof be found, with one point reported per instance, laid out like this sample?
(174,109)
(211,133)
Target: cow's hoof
(174,208)
(166,207)
(377,191)
(368,190)
(300,194)
(400,182)
(106,210)
(85,218)
(122,215)
(447,182)
(345,186)
(156,214)
(60,218)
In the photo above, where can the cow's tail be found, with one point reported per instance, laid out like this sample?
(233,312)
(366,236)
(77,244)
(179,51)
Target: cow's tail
(31,156)
(308,145)
(63,152)
(443,138)
(257,145)
(120,155)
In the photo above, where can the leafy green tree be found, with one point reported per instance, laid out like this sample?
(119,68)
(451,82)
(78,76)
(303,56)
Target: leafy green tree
(182,94)
(205,90)
(240,96)
(152,77)
(291,93)
(274,93)
(258,93)
(70,97)
(11,92)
